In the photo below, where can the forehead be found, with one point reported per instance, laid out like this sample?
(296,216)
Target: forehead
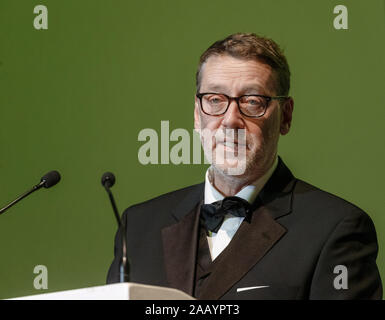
(236,75)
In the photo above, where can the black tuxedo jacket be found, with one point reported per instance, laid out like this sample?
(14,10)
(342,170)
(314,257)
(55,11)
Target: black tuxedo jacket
(289,249)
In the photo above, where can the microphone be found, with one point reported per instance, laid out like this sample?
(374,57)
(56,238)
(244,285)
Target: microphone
(108,180)
(47,181)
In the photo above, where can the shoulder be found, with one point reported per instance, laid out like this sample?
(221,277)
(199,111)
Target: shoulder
(321,205)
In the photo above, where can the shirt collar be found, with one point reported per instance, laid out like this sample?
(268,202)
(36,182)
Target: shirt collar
(248,193)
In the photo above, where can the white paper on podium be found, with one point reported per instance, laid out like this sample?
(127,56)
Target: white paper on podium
(117,291)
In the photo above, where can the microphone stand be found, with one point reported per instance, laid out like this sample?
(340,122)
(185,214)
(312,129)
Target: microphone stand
(124,266)
(34,188)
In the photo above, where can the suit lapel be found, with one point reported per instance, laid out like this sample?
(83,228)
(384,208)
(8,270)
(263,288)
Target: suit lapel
(249,245)
(254,238)
(276,195)
(180,242)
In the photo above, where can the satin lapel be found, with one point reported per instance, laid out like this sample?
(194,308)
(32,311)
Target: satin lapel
(180,242)
(249,245)
(276,195)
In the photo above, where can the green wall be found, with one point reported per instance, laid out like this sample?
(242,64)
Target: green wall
(74,98)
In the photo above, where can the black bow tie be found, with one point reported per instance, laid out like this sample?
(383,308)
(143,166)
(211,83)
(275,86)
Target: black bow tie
(212,215)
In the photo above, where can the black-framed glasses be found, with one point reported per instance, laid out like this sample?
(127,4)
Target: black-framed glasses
(250,105)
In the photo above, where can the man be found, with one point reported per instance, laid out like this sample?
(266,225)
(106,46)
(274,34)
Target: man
(260,233)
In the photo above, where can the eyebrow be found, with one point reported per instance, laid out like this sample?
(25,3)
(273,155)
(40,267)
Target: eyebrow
(253,89)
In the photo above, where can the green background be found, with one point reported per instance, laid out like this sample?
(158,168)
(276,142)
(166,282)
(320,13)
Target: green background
(74,98)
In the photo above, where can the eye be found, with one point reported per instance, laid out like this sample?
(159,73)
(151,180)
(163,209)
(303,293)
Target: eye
(214,104)
(253,101)
(253,105)
(215,98)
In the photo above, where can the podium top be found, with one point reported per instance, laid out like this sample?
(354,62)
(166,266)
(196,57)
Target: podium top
(116,291)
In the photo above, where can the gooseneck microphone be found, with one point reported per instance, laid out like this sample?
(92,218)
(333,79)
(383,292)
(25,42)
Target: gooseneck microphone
(47,181)
(108,180)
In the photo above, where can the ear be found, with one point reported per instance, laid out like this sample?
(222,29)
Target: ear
(287,113)
(197,118)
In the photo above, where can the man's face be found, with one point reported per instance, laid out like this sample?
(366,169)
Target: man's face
(235,77)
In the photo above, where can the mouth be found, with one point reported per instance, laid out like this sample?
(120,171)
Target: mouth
(232,144)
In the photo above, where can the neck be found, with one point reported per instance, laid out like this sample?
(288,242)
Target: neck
(231,185)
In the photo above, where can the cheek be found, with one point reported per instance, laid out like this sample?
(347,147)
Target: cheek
(262,133)
(255,134)
(208,122)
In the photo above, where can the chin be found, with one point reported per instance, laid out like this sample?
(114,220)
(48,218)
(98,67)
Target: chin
(231,167)
(230,162)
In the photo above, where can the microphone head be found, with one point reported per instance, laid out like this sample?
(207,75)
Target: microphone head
(50,179)
(108,179)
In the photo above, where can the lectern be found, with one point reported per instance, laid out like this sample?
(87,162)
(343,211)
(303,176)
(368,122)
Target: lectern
(117,291)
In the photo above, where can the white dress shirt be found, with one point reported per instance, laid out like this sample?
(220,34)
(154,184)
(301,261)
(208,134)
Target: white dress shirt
(219,241)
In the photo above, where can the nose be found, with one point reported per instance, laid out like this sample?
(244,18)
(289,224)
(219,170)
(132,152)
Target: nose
(233,118)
